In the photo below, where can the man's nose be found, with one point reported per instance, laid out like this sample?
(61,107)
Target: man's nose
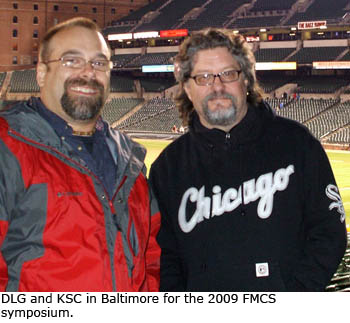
(217,83)
(88,70)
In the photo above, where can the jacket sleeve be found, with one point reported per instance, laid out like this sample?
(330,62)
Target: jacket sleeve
(324,223)
(153,249)
(171,275)
(3,231)
(11,186)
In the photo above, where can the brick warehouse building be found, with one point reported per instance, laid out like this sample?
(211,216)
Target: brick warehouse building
(24,22)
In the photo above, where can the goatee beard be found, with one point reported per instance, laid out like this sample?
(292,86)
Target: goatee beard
(82,108)
(221,117)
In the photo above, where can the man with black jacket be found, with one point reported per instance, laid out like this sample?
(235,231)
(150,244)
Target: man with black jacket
(248,199)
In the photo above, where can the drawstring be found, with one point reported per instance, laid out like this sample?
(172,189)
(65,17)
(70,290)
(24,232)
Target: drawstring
(227,141)
(241,179)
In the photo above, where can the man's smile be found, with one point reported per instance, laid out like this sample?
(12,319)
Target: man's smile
(83,90)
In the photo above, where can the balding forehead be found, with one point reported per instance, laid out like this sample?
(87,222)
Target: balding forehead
(79,39)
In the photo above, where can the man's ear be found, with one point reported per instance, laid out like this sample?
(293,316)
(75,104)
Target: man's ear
(41,70)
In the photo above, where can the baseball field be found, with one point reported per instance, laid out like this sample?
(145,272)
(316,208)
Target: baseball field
(340,162)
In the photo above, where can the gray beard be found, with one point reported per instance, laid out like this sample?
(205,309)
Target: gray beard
(220,117)
(81,108)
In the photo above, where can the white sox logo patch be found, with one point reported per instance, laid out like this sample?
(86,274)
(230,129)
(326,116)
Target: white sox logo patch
(264,187)
(333,193)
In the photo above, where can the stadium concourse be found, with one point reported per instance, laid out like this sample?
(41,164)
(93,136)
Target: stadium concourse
(303,65)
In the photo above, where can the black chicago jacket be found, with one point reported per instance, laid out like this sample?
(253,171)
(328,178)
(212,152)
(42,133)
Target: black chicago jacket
(255,209)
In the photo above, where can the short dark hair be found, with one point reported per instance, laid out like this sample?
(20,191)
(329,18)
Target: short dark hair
(211,38)
(44,51)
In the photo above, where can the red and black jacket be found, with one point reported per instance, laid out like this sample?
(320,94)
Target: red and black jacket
(59,230)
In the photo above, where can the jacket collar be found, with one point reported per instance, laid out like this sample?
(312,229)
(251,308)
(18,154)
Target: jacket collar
(25,119)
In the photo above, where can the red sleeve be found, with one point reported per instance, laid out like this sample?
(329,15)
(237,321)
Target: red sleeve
(153,250)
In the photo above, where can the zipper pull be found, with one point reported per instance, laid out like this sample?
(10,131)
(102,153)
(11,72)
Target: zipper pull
(227,138)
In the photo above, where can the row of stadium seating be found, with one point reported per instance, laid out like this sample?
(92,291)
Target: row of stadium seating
(197,14)
(149,110)
(246,22)
(137,15)
(316,54)
(271,83)
(117,108)
(214,14)
(341,136)
(331,120)
(320,10)
(121,84)
(273,54)
(321,84)
(24,81)
(270,5)
(301,110)
(170,14)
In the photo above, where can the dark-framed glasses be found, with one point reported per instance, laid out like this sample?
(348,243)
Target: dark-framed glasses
(209,79)
(76,62)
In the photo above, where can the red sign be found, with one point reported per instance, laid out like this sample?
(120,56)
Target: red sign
(174,33)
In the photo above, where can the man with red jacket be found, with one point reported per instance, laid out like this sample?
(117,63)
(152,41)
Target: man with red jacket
(76,213)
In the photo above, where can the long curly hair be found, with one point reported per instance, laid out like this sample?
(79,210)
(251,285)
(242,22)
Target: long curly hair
(211,38)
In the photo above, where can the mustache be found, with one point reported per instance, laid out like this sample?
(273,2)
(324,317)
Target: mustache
(81,82)
(214,96)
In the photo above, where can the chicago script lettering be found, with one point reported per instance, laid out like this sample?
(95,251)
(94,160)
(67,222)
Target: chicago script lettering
(264,187)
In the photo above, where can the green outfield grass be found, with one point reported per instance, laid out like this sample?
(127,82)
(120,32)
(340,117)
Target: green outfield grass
(340,162)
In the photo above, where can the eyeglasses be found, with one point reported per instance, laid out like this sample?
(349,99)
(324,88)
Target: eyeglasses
(209,79)
(102,65)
